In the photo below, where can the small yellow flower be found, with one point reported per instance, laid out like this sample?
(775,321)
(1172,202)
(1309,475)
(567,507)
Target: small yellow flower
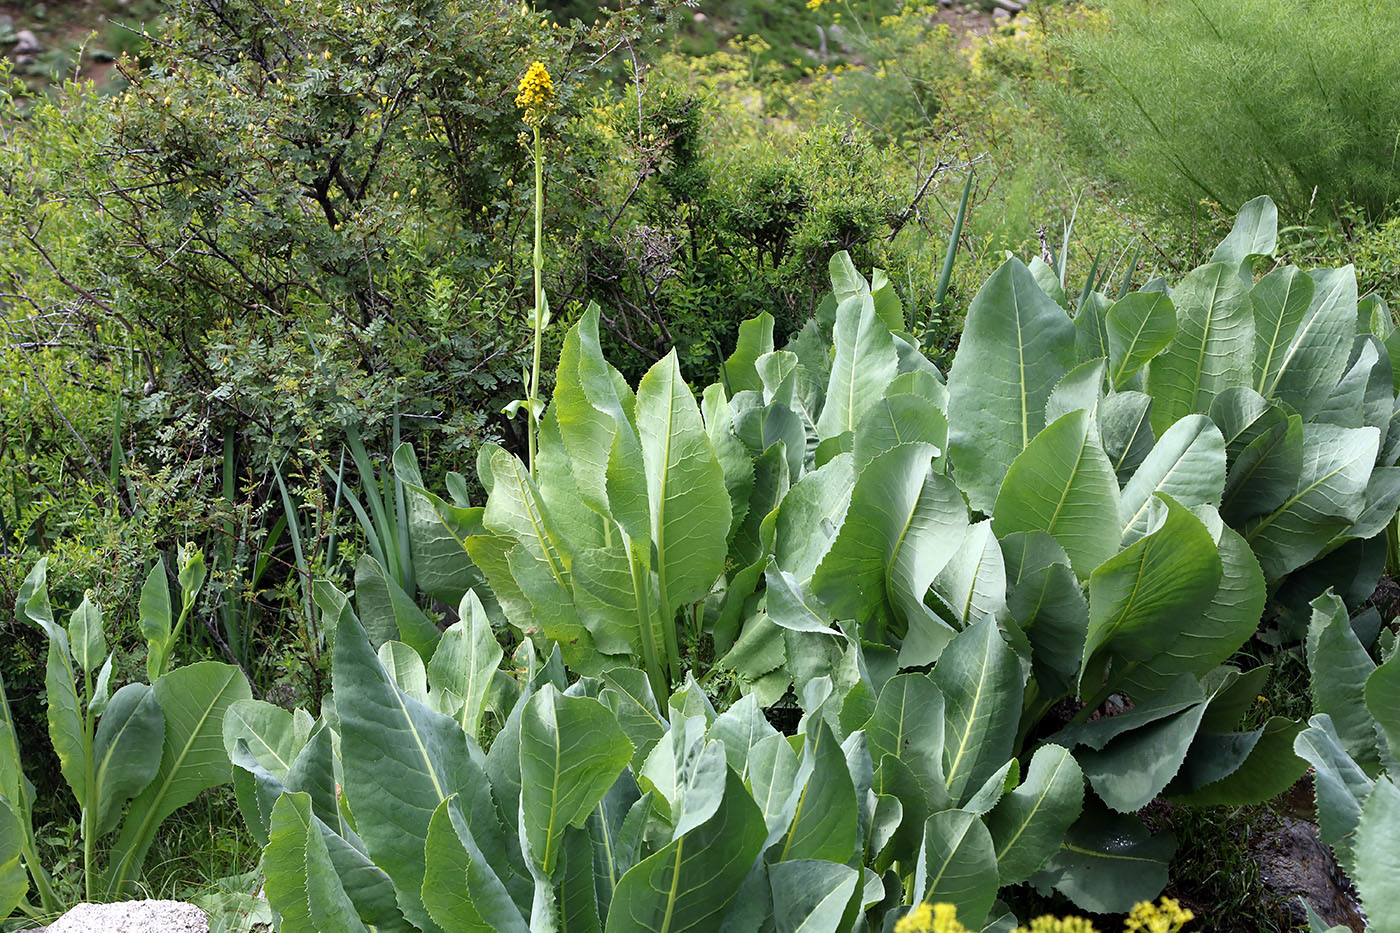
(1167,916)
(536,94)
(1049,924)
(327,54)
(930,918)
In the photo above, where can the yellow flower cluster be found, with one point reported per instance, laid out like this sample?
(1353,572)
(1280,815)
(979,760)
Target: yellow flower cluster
(536,94)
(930,918)
(1167,916)
(1049,924)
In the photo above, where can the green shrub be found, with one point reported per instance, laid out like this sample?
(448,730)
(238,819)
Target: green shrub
(1186,101)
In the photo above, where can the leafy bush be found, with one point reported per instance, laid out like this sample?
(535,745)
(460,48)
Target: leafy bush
(131,757)
(805,526)
(1185,101)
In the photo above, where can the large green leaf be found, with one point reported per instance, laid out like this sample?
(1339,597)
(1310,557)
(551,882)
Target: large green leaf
(437,532)
(1126,430)
(571,751)
(14,881)
(123,751)
(1139,597)
(389,613)
(1254,233)
(903,524)
(1339,668)
(689,503)
(1258,765)
(1187,463)
(823,824)
(460,889)
(401,759)
(66,731)
(908,725)
(466,661)
(981,682)
(1213,347)
(1047,602)
(1339,786)
(687,885)
(1063,484)
(898,419)
(973,583)
(1201,642)
(755,339)
(1029,823)
(1133,768)
(193,700)
(810,896)
(1108,862)
(810,514)
(1280,300)
(1382,696)
(1139,327)
(864,363)
(1318,352)
(1329,494)
(1377,872)
(1016,345)
(957,865)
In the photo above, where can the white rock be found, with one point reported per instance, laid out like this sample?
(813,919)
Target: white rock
(133,917)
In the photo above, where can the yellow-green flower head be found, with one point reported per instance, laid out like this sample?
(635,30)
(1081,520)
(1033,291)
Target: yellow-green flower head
(536,94)
(1167,916)
(1049,924)
(930,918)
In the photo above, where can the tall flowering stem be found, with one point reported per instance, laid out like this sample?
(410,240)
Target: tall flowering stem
(536,98)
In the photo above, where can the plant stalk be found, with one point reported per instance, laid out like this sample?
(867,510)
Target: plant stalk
(538,261)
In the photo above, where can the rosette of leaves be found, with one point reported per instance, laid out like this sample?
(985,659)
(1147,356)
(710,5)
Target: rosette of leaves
(598,808)
(131,756)
(1352,743)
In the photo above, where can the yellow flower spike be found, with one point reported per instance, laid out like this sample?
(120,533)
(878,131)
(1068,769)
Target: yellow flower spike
(536,94)
(930,918)
(1167,916)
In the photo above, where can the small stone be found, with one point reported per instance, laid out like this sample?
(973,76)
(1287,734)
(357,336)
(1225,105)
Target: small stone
(700,18)
(1001,15)
(26,43)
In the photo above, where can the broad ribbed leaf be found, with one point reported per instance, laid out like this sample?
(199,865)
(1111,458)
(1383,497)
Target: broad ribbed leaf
(973,583)
(1139,597)
(437,530)
(1377,872)
(85,636)
(1139,327)
(1136,765)
(65,719)
(1188,464)
(1340,786)
(1108,862)
(460,889)
(810,514)
(14,881)
(389,613)
(1329,494)
(193,700)
(981,682)
(1213,347)
(908,725)
(895,420)
(123,751)
(1029,823)
(1016,345)
(1340,667)
(1082,387)
(810,896)
(466,661)
(1257,766)
(1264,472)
(400,760)
(1126,430)
(571,751)
(903,524)
(823,806)
(284,864)
(1062,483)
(771,771)
(734,459)
(755,339)
(1382,697)
(687,886)
(864,364)
(1280,300)
(1200,643)
(1317,354)
(957,865)
(1254,233)
(1047,602)
(685,485)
